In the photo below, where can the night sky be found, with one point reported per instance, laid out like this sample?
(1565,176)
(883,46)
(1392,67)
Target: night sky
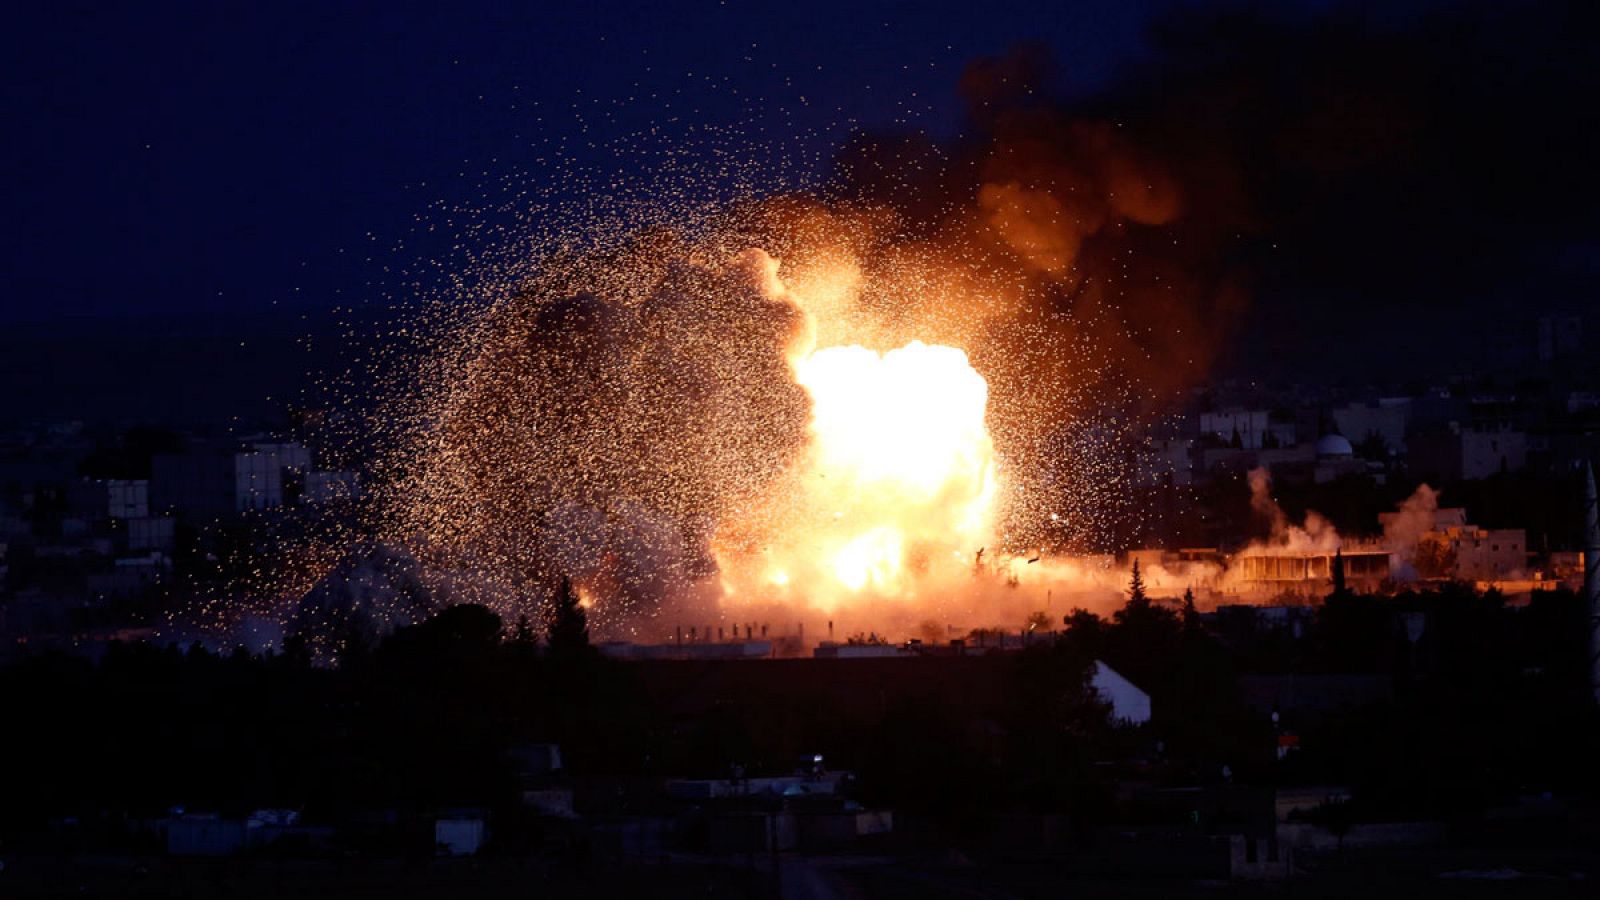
(179,174)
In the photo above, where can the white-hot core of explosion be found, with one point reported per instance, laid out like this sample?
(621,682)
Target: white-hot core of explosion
(899,481)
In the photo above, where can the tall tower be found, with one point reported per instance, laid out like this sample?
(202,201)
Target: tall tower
(1591,574)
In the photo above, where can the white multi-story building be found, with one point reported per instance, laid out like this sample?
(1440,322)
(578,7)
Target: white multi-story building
(1251,426)
(257,480)
(97,499)
(222,479)
(1388,419)
(1468,453)
(128,499)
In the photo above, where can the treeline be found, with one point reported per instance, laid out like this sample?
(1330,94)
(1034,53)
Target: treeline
(1428,704)
(429,719)
(1484,702)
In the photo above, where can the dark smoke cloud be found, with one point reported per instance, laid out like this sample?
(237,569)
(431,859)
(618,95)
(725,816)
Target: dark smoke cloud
(1399,178)
(1375,183)
(1117,246)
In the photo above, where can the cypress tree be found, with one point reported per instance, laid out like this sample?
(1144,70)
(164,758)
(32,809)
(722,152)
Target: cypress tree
(567,632)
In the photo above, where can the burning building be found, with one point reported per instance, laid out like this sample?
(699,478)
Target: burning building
(1312,573)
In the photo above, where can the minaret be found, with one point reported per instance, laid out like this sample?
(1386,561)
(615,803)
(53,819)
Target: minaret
(1591,574)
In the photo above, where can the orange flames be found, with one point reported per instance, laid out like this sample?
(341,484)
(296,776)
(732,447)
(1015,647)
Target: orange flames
(895,494)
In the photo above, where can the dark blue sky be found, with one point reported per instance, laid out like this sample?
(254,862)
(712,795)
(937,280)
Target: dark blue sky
(182,182)
(212,158)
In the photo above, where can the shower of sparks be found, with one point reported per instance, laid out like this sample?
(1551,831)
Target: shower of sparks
(716,387)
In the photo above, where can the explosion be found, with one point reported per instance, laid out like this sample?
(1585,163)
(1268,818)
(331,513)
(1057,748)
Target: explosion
(726,392)
(898,482)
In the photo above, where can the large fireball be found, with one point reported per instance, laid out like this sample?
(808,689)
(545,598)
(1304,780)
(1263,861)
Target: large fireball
(895,495)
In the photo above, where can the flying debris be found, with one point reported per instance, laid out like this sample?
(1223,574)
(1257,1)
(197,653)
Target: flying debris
(707,384)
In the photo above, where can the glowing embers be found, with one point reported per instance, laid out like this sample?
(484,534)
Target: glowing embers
(900,479)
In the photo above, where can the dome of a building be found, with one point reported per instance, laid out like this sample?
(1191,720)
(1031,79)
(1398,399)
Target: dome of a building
(1334,446)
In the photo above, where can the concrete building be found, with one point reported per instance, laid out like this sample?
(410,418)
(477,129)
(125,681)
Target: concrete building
(1254,428)
(1474,553)
(224,479)
(1329,458)
(198,482)
(127,499)
(1388,419)
(257,480)
(1485,453)
(1215,461)
(290,455)
(1457,453)
(1485,554)
(1167,459)
(151,533)
(1363,568)
(99,499)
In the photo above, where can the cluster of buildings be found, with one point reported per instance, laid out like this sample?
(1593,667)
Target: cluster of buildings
(1449,550)
(808,807)
(1484,437)
(74,544)
(1454,432)
(228,477)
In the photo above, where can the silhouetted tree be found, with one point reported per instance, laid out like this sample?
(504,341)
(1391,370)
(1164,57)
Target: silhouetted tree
(1339,589)
(1191,615)
(567,632)
(1085,631)
(297,650)
(1136,596)
(522,632)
